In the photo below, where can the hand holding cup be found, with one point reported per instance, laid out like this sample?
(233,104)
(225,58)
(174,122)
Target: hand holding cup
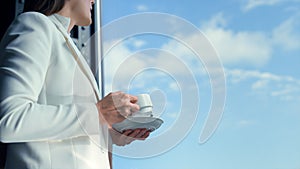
(116,107)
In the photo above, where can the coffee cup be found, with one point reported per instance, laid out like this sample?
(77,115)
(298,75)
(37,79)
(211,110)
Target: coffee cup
(145,104)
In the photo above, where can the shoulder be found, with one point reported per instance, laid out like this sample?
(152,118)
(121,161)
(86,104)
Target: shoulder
(31,25)
(33,19)
(28,27)
(32,15)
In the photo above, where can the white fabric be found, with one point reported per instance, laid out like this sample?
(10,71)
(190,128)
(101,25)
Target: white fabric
(48,114)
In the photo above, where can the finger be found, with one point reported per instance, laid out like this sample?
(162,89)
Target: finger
(134,107)
(134,133)
(141,133)
(146,135)
(128,109)
(127,132)
(127,103)
(124,99)
(133,99)
(129,99)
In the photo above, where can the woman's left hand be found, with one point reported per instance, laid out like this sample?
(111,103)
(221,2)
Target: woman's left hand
(128,136)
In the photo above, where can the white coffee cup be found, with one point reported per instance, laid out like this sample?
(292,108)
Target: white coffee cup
(146,107)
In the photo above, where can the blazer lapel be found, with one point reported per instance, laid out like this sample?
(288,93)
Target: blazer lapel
(77,56)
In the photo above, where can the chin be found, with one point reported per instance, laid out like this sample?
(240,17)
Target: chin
(85,22)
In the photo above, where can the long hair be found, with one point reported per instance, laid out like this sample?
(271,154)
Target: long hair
(46,7)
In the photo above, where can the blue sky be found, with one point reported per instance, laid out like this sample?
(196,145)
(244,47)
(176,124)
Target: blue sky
(258,42)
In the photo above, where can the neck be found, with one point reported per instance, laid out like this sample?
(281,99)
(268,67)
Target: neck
(66,13)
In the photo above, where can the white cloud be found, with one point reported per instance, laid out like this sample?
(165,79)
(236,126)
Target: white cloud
(235,47)
(287,34)
(251,47)
(116,59)
(255,3)
(260,84)
(283,87)
(183,55)
(123,64)
(251,4)
(141,8)
(138,43)
(245,123)
(218,20)
(240,47)
(239,75)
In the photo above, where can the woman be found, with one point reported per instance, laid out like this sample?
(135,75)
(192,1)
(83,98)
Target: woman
(50,112)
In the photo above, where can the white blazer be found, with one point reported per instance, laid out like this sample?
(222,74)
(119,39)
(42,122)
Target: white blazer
(48,114)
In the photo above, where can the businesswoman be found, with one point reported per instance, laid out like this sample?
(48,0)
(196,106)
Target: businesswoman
(51,116)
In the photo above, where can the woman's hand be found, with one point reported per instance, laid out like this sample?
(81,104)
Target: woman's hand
(116,106)
(128,136)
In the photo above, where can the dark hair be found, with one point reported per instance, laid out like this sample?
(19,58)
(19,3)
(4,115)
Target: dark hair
(46,7)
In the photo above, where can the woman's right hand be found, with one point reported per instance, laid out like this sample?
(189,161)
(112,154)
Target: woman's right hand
(116,106)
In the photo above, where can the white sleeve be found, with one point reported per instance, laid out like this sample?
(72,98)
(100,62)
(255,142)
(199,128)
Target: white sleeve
(24,59)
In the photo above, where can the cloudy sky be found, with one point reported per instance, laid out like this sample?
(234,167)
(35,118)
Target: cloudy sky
(257,43)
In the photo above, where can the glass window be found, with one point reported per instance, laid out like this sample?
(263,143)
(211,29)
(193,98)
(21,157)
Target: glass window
(222,75)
